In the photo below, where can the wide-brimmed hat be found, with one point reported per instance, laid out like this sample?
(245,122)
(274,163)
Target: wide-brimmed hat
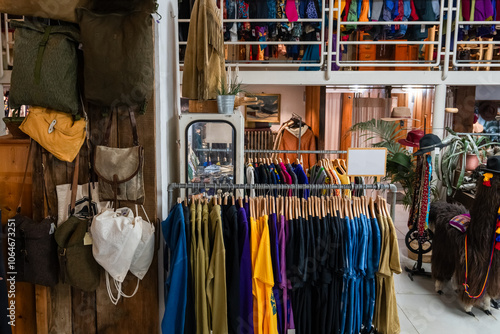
(399,114)
(488,110)
(400,159)
(412,138)
(428,143)
(493,164)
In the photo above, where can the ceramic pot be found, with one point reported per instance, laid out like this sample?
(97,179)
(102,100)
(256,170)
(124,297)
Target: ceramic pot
(471,162)
(225,104)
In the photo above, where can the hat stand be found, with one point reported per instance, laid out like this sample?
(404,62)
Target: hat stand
(414,234)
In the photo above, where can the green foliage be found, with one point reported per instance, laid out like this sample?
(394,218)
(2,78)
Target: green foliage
(231,85)
(455,154)
(387,131)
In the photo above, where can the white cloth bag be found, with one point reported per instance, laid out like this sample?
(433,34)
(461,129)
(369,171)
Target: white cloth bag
(115,237)
(82,209)
(145,250)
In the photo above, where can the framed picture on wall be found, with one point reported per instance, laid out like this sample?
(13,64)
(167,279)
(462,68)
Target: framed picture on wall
(266,109)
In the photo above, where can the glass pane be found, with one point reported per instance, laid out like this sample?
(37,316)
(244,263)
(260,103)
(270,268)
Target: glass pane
(210,153)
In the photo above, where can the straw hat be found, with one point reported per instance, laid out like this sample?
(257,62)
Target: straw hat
(399,114)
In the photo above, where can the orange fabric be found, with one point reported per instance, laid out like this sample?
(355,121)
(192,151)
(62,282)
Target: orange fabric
(365,8)
(265,319)
(307,142)
(342,6)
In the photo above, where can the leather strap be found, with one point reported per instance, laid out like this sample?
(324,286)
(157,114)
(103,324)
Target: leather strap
(134,126)
(74,184)
(44,180)
(18,210)
(108,130)
(39,57)
(133,123)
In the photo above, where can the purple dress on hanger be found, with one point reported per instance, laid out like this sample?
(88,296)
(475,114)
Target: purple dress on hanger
(246,297)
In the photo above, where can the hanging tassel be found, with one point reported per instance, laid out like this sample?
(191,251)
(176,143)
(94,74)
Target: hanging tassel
(486,179)
(497,246)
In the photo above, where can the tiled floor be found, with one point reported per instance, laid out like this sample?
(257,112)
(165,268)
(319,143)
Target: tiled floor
(421,310)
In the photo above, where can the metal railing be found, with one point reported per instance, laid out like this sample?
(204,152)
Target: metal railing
(445,39)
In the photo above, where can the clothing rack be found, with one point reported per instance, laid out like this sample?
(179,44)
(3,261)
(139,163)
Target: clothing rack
(298,151)
(477,134)
(225,186)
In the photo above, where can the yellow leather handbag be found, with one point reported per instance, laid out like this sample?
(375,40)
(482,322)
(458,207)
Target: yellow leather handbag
(56,131)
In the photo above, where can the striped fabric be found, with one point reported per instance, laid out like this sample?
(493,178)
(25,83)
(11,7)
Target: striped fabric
(461,222)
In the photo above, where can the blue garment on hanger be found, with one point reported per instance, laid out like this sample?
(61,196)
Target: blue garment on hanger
(346,278)
(372,268)
(174,232)
(365,283)
(301,179)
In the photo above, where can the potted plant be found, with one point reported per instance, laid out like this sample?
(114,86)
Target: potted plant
(462,153)
(13,124)
(227,91)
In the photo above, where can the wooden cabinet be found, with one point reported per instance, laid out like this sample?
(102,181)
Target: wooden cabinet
(13,155)
(406,53)
(381,52)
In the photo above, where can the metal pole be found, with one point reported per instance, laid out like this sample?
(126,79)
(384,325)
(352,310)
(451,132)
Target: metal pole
(394,190)
(438,112)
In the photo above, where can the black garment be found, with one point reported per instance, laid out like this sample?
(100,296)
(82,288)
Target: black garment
(231,245)
(263,174)
(190,320)
(280,173)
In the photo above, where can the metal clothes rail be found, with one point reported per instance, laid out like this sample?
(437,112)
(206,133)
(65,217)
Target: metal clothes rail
(458,25)
(375,186)
(298,151)
(229,150)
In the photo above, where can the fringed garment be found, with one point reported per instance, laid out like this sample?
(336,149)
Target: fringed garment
(204,60)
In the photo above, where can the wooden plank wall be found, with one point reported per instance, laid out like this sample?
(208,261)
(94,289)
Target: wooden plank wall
(14,153)
(64,309)
(315,110)
(464,119)
(347,108)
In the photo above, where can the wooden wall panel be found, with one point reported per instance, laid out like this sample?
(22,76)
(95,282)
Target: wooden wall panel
(140,313)
(64,309)
(464,119)
(14,153)
(313,101)
(345,136)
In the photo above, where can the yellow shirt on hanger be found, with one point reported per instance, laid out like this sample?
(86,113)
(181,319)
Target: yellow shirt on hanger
(264,306)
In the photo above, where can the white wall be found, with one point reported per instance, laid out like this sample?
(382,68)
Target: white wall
(487,93)
(292,99)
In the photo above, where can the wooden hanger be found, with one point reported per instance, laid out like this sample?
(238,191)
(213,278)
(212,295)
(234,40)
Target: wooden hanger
(250,207)
(340,206)
(299,207)
(372,208)
(344,165)
(386,209)
(305,211)
(333,205)
(355,207)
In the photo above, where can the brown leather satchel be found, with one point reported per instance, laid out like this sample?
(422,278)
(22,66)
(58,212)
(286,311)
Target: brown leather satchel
(120,169)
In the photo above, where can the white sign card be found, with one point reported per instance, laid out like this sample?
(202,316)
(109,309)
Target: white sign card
(366,161)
